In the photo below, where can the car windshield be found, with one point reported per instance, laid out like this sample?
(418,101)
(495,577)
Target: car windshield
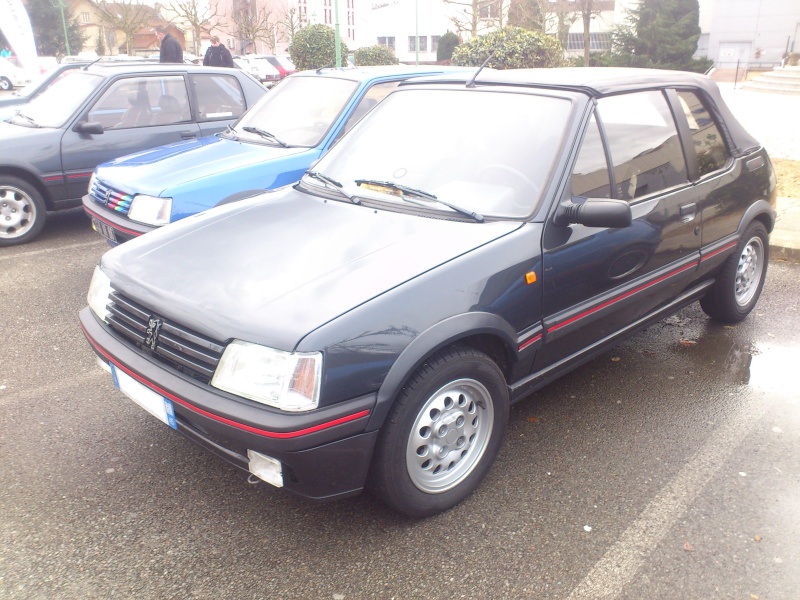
(54,106)
(484,151)
(299,111)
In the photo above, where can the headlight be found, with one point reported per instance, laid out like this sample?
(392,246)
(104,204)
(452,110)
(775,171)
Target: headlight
(150,210)
(289,381)
(91,182)
(99,290)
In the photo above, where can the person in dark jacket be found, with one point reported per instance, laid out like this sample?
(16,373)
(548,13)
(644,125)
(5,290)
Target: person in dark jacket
(217,55)
(171,51)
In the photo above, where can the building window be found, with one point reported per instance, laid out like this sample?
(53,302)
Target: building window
(435,43)
(423,43)
(84,17)
(386,41)
(487,11)
(328,12)
(597,41)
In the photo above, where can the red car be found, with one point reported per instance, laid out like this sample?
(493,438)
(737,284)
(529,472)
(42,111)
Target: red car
(283,64)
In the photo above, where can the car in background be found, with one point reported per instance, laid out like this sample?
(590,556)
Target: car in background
(470,241)
(283,64)
(259,67)
(12,76)
(10,103)
(100,112)
(271,146)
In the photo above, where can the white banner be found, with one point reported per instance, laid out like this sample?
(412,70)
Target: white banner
(16,26)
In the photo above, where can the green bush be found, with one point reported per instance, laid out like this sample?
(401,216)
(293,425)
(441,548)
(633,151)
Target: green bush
(513,48)
(447,43)
(314,47)
(375,55)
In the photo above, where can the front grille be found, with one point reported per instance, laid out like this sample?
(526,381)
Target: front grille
(168,342)
(108,196)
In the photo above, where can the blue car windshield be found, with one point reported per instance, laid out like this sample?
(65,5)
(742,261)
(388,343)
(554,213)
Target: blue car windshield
(488,152)
(299,111)
(56,105)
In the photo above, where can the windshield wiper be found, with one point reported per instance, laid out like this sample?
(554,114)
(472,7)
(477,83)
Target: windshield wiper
(406,192)
(27,118)
(330,181)
(230,131)
(264,134)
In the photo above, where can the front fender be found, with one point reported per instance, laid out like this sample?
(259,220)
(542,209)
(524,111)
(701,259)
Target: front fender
(431,340)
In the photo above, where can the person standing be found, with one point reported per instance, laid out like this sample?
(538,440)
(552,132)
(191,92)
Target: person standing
(218,55)
(171,51)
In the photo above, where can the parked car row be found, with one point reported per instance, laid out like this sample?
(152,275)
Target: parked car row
(99,112)
(473,237)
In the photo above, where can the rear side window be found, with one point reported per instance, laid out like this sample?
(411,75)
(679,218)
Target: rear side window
(643,143)
(219,97)
(709,145)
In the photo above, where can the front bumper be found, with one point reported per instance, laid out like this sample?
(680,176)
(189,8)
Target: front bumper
(112,226)
(325,453)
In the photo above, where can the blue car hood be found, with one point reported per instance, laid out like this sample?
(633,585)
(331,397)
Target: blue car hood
(273,268)
(152,171)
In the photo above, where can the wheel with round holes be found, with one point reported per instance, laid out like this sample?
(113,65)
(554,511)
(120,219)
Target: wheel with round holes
(442,434)
(22,211)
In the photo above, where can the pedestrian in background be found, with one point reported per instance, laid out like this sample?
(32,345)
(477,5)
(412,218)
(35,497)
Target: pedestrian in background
(171,51)
(217,54)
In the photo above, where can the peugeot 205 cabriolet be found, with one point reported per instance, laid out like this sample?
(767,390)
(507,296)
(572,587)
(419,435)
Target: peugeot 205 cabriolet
(469,241)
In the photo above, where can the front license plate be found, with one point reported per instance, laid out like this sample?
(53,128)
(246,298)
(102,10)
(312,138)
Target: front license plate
(152,402)
(104,229)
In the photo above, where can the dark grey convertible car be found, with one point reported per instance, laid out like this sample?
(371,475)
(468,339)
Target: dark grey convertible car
(52,145)
(462,246)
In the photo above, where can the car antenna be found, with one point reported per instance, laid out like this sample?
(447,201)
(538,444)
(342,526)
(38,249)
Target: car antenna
(471,82)
(98,59)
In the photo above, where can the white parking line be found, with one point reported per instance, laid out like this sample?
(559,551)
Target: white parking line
(23,253)
(621,562)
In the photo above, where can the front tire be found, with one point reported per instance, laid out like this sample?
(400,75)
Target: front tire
(740,279)
(442,434)
(22,211)
(5,84)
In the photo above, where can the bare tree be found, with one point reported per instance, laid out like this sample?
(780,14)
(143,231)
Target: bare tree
(128,16)
(197,15)
(253,23)
(479,15)
(289,22)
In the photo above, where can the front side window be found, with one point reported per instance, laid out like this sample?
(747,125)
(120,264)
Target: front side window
(590,175)
(299,111)
(219,97)
(486,151)
(141,102)
(709,145)
(643,143)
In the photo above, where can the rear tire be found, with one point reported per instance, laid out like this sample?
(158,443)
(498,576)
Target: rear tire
(442,434)
(740,278)
(5,84)
(22,211)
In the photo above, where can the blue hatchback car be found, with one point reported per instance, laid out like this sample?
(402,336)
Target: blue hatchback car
(272,145)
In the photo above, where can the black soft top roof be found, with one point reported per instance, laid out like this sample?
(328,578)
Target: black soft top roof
(606,81)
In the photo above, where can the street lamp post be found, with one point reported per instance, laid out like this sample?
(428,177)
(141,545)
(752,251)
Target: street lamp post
(64,24)
(337,37)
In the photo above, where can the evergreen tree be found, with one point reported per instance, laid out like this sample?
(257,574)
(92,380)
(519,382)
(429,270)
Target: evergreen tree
(660,34)
(48,30)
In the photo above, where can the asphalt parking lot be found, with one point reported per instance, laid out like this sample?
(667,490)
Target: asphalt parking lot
(669,467)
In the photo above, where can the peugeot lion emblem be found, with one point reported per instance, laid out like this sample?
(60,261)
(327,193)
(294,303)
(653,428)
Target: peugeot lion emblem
(151,335)
(108,196)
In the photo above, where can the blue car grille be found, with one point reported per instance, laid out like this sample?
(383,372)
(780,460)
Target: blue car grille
(111,198)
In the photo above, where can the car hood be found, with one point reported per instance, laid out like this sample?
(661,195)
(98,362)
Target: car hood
(153,171)
(272,269)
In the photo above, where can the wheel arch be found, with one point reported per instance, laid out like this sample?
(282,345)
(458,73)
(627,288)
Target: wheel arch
(485,332)
(761,210)
(30,178)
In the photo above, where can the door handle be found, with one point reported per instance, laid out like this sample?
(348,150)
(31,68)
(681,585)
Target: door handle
(188,135)
(688,212)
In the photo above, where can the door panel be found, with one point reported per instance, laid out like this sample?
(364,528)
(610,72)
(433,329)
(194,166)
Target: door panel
(599,280)
(137,113)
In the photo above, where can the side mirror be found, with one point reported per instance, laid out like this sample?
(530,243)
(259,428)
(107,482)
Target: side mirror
(594,212)
(91,127)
